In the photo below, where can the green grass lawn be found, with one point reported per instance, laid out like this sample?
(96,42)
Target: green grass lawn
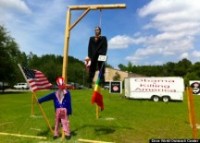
(122,121)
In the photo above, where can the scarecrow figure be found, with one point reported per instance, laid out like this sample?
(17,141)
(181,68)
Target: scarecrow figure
(62,104)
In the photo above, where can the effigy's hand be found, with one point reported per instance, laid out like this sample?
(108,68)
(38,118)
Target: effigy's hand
(87,62)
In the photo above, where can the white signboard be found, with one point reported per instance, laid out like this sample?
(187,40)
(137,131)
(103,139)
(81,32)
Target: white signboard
(102,58)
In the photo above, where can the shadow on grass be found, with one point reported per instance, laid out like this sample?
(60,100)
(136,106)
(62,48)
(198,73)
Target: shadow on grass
(47,133)
(44,132)
(104,130)
(100,130)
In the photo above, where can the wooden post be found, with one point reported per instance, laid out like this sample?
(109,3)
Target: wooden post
(192,113)
(66,46)
(69,27)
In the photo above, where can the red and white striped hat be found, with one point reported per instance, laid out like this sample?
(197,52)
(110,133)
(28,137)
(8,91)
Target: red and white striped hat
(61,83)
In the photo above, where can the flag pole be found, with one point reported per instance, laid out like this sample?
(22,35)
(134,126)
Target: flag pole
(99,76)
(103,59)
(34,97)
(97,112)
(43,114)
(23,74)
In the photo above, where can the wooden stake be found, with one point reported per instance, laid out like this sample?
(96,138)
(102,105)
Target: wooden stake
(43,114)
(92,141)
(97,112)
(189,105)
(63,134)
(194,128)
(24,136)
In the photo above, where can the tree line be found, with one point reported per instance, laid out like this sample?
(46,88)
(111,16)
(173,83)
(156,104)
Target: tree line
(183,68)
(50,65)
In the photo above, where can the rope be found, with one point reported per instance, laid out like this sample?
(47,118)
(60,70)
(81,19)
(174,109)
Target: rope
(100,18)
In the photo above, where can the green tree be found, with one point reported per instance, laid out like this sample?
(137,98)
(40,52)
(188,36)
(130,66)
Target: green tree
(182,67)
(122,67)
(196,68)
(51,66)
(168,69)
(116,77)
(190,76)
(9,57)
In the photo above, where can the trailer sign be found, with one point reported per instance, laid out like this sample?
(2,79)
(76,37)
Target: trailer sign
(154,85)
(156,88)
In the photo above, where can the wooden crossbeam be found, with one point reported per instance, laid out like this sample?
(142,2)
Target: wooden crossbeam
(95,7)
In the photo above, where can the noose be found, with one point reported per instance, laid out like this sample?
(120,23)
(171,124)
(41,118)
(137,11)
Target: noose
(100,17)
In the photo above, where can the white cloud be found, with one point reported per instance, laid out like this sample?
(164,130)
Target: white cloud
(124,41)
(195,54)
(9,10)
(166,6)
(40,31)
(18,5)
(120,41)
(184,55)
(176,24)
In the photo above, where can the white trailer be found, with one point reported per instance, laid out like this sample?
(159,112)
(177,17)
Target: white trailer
(155,88)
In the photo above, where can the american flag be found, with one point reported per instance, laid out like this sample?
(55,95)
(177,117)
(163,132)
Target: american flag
(36,79)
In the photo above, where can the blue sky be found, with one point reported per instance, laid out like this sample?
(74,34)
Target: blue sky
(147,32)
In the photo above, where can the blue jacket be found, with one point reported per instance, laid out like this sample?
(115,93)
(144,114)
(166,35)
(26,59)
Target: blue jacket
(66,102)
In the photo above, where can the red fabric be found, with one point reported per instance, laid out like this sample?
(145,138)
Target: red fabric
(98,99)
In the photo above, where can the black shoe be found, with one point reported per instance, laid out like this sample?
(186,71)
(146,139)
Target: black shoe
(68,137)
(55,137)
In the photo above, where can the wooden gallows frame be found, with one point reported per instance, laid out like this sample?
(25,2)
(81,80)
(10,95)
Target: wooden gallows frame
(70,26)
